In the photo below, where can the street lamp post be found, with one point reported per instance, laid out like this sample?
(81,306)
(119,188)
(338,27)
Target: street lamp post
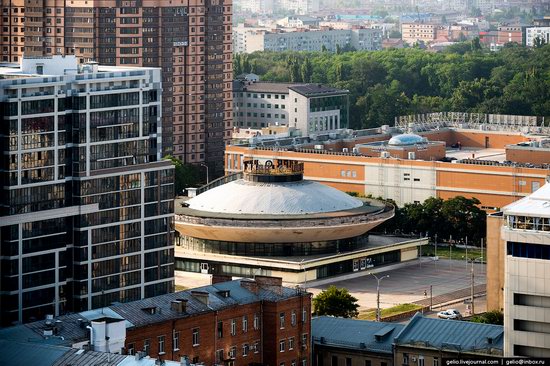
(378,280)
(207,175)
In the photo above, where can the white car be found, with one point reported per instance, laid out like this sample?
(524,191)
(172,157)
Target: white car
(449,314)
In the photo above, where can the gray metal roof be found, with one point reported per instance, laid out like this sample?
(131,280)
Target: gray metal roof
(29,353)
(451,335)
(86,358)
(261,87)
(317,89)
(355,334)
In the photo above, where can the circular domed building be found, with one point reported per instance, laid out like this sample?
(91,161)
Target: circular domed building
(273,222)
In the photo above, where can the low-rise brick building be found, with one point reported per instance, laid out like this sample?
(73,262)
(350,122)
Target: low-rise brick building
(241,322)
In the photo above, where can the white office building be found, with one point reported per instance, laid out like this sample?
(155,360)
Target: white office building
(532,33)
(526,234)
(310,108)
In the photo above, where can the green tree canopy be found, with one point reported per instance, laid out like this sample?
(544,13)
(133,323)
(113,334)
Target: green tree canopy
(186,175)
(491,317)
(336,302)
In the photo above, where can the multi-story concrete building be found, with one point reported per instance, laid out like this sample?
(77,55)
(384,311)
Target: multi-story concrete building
(190,41)
(87,209)
(532,33)
(416,32)
(242,322)
(518,249)
(510,34)
(497,159)
(257,6)
(303,7)
(310,108)
(248,40)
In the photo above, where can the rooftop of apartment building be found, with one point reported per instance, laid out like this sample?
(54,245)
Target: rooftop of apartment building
(470,139)
(438,334)
(45,66)
(283,88)
(71,328)
(352,333)
(458,336)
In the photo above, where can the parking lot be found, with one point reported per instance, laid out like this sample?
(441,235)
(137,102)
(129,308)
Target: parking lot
(408,283)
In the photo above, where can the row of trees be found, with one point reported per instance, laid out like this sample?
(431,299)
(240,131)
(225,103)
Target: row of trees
(457,217)
(384,84)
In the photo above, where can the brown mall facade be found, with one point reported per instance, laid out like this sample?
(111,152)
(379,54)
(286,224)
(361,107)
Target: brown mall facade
(189,39)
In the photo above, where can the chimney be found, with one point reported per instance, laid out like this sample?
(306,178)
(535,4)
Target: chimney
(202,296)
(221,278)
(251,286)
(270,283)
(179,305)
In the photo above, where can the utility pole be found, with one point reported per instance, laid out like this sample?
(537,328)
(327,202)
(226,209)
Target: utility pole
(431,297)
(378,280)
(466,253)
(472,289)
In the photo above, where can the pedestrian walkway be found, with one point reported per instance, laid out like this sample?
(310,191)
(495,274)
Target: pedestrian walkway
(455,295)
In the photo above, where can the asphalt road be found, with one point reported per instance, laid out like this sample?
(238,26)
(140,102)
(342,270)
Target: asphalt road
(407,284)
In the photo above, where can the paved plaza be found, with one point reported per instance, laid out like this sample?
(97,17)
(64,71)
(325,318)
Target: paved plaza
(408,283)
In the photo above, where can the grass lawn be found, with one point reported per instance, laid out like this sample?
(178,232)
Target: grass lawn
(456,253)
(394,310)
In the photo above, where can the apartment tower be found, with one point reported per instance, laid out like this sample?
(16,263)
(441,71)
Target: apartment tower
(86,201)
(190,40)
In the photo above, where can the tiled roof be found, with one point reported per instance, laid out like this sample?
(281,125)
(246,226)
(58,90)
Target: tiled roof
(353,333)
(456,335)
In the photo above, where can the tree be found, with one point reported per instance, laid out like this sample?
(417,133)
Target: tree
(495,317)
(464,218)
(306,70)
(336,302)
(185,175)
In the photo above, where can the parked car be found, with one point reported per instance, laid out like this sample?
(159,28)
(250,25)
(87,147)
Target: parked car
(449,314)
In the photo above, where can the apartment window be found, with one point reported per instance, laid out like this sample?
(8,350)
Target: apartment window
(246,349)
(293,318)
(304,341)
(220,329)
(304,361)
(131,349)
(348,361)
(383,364)
(256,347)
(161,345)
(196,338)
(405,358)
(176,341)
(334,361)
(256,322)
(420,360)
(281,346)
(146,346)
(245,324)
(436,361)
(293,363)
(291,343)
(219,356)
(233,327)
(304,315)
(282,320)
(368,363)
(233,352)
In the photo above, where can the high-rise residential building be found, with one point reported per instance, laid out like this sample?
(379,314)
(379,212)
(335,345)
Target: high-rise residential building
(86,202)
(190,40)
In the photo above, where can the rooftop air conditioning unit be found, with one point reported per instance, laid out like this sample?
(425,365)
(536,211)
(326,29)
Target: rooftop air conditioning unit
(318,147)
(385,154)
(412,155)
(345,150)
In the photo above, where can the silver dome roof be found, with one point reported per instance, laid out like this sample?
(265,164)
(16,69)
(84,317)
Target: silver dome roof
(405,139)
(294,198)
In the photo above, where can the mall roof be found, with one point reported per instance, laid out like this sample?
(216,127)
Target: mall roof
(293,198)
(452,335)
(537,204)
(353,333)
